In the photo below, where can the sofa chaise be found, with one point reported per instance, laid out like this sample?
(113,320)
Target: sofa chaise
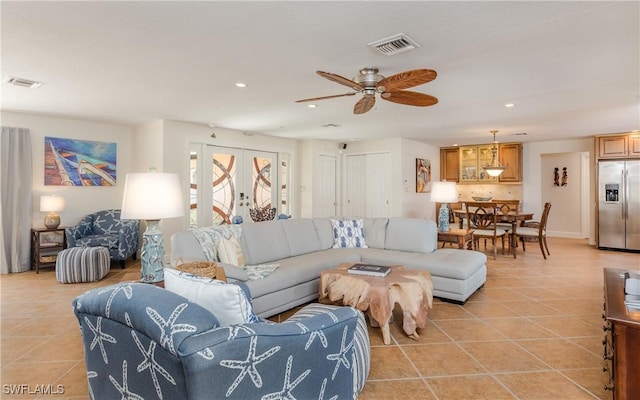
(302,248)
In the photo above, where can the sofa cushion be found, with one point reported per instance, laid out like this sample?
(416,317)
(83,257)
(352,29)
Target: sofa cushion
(230,252)
(324,232)
(411,234)
(301,235)
(375,231)
(348,233)
(227,302)
(295,270)
(263,242)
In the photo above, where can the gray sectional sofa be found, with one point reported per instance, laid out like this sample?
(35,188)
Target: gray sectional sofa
(304,247)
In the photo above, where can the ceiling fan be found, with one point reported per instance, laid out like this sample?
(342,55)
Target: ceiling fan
(391,88)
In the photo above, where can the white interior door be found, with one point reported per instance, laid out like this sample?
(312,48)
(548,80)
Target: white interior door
(356,185)
(325,203)
(377,187)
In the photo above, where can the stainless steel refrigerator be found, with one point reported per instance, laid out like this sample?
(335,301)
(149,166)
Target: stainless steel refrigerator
(619,204)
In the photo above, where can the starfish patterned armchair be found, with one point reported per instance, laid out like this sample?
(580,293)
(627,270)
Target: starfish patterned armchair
(145,342)
(106,229)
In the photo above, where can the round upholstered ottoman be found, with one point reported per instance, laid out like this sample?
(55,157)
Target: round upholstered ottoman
(82,264)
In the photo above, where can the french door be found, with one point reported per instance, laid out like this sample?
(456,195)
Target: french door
(227,182)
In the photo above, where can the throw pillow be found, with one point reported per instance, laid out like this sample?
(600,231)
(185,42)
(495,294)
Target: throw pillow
(230,252)
(226,301)
(348,233)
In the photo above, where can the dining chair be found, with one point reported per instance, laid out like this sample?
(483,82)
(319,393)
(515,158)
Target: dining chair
(481,218)
(505,206)
(536,231)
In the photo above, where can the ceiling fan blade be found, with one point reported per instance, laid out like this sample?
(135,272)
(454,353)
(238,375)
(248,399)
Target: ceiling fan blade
(407,79)
(326,97)
(341,80)
(365,104)
(409,98)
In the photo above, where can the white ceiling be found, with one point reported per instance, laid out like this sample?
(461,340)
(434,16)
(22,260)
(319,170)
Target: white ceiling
(571,68)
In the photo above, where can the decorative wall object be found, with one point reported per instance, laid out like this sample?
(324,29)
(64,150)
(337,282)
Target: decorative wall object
(565,177)
(556,176)
(70,162)
(423,175)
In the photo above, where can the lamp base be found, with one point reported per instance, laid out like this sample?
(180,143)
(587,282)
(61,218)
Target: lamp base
(52,221)
(152,257)
(443,218)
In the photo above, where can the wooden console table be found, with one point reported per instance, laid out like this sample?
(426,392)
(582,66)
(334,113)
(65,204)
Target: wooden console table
(622,339)
(463,237)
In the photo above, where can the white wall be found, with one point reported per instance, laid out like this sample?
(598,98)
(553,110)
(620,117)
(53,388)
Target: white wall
(79,200)
(565,217)
(532,169)
(418,205)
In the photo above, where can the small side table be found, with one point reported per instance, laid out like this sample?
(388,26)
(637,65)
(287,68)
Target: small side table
(463,237)
(45,246)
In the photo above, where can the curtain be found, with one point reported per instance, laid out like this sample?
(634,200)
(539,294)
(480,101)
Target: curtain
(15,199)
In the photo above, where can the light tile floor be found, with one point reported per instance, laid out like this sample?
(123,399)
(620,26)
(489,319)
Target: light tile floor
(533,332)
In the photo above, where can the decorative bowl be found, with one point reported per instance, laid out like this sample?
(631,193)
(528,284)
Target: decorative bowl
(478,198)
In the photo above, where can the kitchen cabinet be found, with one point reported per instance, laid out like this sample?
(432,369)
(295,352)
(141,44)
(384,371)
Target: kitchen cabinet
(449,164)
(618,146)
(472,159)
(510,156)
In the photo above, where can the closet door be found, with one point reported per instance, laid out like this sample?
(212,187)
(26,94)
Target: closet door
(367,185)
(377,185)
(356,186)
(325,203)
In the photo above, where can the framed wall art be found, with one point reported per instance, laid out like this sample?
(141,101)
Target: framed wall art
(71,162)
(423,175)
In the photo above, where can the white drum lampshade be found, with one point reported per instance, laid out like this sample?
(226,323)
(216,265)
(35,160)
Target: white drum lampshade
(152,196)
(443,193)
(52,204)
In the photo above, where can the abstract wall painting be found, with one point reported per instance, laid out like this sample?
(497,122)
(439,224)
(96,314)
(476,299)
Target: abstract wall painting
(423,175)
(71,162)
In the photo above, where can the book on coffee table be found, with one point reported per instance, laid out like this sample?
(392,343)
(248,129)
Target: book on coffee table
(369,269)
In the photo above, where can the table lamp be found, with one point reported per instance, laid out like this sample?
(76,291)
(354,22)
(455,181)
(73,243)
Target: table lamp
(443,193)
(51,204)
(152,196)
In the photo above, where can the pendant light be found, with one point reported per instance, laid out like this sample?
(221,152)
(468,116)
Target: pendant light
(495,169)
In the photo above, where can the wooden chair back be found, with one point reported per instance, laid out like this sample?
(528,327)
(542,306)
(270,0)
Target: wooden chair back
(505,206)
(482,216)
(545,217)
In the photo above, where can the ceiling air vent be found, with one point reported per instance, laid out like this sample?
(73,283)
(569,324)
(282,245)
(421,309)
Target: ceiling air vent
(395,44)
(28,83)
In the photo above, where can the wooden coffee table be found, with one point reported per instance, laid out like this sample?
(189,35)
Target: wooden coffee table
(412,290)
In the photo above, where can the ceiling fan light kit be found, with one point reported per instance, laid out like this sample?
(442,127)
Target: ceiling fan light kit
(391,88)
(495,169)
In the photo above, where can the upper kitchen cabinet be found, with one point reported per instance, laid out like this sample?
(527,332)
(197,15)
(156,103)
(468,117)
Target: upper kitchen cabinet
(472,159)
(464,164)
(618,146)
(449,164)
(510,156)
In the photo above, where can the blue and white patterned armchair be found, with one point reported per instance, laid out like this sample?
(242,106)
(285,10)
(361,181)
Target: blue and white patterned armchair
(106,229)
(144,342)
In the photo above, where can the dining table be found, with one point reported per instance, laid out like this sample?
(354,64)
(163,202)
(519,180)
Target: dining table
(515,217)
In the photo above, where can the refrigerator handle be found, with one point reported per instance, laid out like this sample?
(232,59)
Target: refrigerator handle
(625,191)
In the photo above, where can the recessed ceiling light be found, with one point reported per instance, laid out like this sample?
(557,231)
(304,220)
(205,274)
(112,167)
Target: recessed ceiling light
(509,105)
(312,106)
(241,85)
